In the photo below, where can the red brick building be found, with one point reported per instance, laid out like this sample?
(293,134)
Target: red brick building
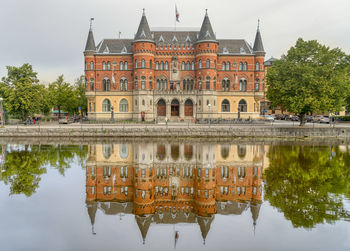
(181,74)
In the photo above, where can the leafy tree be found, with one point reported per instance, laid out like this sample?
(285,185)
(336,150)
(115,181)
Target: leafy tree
(23,95)
(62,96)
(79,88)
(310,78)
(24,166)
(307,184)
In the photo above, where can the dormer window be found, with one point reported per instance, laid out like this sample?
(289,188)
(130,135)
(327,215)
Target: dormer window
(225,50)
(242,50)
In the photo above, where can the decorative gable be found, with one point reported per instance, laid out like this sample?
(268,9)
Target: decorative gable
(161,39)
(225,50)
(106,50)
(175,39)
(242,50)
(124,50)
(188,40)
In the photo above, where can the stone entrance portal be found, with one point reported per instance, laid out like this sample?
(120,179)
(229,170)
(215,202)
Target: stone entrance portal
(189,108)
(175,108)
(161,108)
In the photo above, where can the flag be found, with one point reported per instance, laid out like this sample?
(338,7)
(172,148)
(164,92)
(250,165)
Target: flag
(177,15)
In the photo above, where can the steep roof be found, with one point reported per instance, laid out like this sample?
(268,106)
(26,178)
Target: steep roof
(234,46)
(270,61)
(175,37)
(206,33)
(90,43)
(204,224)
(118,46)
(92,208)
(143,32)
(144,223)
(258,44)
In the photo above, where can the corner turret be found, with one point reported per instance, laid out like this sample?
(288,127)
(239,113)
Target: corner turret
(143,32)
(258,47)
(90,46)
(206,33)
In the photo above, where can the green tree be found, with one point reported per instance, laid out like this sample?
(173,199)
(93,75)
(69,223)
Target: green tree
(307,184)
(24,165)
(23,95)
(310,78)
(79,88)
(63,96)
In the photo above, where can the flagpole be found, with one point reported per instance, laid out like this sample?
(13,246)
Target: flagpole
(175,17)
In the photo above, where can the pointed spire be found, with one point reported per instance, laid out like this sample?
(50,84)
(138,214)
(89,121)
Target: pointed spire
(144,223)
(143,32)
(204,224)
(258,44)
(92,208)
(255,209)
(90,43)
(206,33)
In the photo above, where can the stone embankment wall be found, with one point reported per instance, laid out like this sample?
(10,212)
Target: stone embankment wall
(181,132)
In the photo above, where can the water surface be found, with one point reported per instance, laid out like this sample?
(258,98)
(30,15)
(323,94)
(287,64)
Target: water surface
(174,195)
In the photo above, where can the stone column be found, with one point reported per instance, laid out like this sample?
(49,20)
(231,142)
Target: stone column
(168,109)
(182,109)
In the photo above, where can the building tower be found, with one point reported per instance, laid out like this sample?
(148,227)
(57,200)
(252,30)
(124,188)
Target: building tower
(206,49)
(144,49)
(258,50)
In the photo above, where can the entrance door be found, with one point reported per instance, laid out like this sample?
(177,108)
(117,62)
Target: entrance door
(161,108)
(175,108)
(189,108)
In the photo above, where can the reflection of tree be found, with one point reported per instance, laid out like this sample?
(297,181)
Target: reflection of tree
(23,166)
(308,183)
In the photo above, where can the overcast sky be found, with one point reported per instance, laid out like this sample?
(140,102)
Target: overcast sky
(51,35)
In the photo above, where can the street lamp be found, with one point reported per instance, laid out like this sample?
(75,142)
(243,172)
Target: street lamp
(2,113)
(209,105)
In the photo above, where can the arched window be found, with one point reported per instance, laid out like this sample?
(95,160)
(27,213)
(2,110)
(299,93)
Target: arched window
(108,65)
(91,84)
(200,64)
(142,63)
(243,85)
(242,105)
(150,64)
(223,66)
(208,63)
(106,84)
(166,66)
(257,84)
(192,66)
(188,66)
(242,151)
(136,83)
(200,84)
(121,66)
(157,65)
(123,105)
(226,84)
(228,66)
(123,84)
(225,152)
(183,66)
(106,105)
(225,106)
(207,83)
(91,65)
(124,153)
(150,83)
(143,82)
(191,87)
(240,66)
(125,65)
(161,65)
(245,66)
(107,150)
(135,63)
(257,66)
(103,65)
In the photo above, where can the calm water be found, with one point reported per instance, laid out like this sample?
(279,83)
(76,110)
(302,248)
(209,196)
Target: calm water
(166,196)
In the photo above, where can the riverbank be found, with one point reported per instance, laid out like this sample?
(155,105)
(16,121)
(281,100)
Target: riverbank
(175,131)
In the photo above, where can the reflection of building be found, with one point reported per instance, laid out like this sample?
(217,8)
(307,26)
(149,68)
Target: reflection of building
(172,183)
(182,75)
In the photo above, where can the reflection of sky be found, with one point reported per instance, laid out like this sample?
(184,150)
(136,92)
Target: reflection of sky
(55,218)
